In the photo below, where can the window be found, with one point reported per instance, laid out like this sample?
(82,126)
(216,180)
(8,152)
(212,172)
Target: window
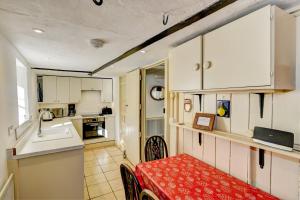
(22,88)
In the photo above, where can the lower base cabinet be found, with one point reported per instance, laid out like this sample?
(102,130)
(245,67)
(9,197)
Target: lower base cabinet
(52,176)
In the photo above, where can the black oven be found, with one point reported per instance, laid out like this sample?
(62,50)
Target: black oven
(93,127)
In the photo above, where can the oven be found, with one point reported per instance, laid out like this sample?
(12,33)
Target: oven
(93,127)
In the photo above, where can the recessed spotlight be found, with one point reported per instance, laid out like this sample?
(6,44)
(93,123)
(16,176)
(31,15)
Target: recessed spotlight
(37,30)
(143,51)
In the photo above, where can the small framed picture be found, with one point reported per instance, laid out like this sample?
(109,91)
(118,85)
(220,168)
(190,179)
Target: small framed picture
(204,121)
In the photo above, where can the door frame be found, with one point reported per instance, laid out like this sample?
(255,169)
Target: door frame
(143,104)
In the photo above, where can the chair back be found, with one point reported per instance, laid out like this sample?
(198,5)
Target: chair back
(148,195)
(155,148)
(131,184)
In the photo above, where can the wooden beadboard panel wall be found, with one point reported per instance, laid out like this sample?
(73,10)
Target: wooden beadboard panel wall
(254,118)
(209,150)
(188,117)
(209,103)
(223,123)
(284,177)
(188,142)
(180,141)
(223,155)
(197,148)
(286,111)
(240,112)
(181,108)
(173,141)
(261,177)
(239,161)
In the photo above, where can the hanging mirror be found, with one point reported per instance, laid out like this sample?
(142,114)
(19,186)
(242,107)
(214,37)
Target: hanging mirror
(157,93)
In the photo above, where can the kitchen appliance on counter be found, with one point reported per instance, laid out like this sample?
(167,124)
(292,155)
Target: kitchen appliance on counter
(106,111)
(57,112)
(93,127)
(71,110)
(46,115)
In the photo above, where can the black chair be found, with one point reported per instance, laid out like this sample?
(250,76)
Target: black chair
(132,186)
(148,195)
(155,148)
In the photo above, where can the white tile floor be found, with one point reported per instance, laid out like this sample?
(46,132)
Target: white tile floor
(102,174)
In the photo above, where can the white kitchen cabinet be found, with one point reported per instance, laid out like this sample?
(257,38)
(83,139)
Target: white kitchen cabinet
(107,90)
(255,51)
(110,127)
(188,142)
(75,90)
(185,66)
(63,89)
(91,84)
(49,89)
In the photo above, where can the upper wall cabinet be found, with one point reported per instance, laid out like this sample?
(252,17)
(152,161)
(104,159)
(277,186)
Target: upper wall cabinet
(107,90)
(256,51)
(75,90)
(49,89)
(185,66)
(91,84)
(56,89)
(63,89)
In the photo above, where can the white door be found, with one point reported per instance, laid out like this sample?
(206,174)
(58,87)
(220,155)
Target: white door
(185,66)
(132,117)
(49,89)
(63,89)
(239,54)
(75,90)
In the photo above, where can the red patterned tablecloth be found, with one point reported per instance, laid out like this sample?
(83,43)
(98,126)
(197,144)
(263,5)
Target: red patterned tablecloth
(185,177)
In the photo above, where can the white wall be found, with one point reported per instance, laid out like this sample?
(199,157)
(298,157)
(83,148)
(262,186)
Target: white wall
(90,103)
(9,99)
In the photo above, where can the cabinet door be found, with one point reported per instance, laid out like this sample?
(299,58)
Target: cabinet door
(110,127)
(75,90)
(63,89)
(107,90)
(91,84)
(239,53)
(49,89)
(185,66)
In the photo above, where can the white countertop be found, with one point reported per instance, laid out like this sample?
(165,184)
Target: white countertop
(28,147)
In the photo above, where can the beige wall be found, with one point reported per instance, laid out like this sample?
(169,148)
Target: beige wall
(8,99)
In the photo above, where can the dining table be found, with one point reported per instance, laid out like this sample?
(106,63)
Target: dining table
(183,177)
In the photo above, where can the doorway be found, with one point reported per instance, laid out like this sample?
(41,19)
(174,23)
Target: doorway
(153,92)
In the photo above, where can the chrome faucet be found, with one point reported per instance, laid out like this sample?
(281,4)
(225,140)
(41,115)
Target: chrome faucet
(40,123)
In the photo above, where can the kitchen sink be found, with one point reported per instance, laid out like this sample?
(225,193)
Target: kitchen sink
(56,133)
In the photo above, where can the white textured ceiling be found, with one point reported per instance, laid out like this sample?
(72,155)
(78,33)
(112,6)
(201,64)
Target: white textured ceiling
(123,24)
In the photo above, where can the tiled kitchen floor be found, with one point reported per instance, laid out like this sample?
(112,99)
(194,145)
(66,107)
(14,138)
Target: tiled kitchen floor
(102,174)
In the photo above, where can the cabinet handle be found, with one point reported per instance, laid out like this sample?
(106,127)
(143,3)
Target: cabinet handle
(197,66)
(207,65)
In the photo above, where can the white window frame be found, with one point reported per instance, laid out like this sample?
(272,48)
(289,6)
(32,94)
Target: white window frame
(22,93)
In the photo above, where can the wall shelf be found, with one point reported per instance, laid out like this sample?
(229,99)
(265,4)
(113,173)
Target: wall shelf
(239,139)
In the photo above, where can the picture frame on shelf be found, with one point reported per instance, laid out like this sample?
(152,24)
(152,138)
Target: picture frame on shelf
(204,121)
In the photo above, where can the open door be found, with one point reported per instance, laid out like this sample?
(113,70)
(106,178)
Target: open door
(132,117)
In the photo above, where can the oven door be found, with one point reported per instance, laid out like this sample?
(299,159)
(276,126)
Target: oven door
(93,130)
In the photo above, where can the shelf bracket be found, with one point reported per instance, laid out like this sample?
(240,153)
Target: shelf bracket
(261,158)
(261,104)
(200,138)
(200,101)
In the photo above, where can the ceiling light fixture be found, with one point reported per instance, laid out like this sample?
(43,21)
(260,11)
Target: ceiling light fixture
(38,31)
(97,43)
(143,51)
